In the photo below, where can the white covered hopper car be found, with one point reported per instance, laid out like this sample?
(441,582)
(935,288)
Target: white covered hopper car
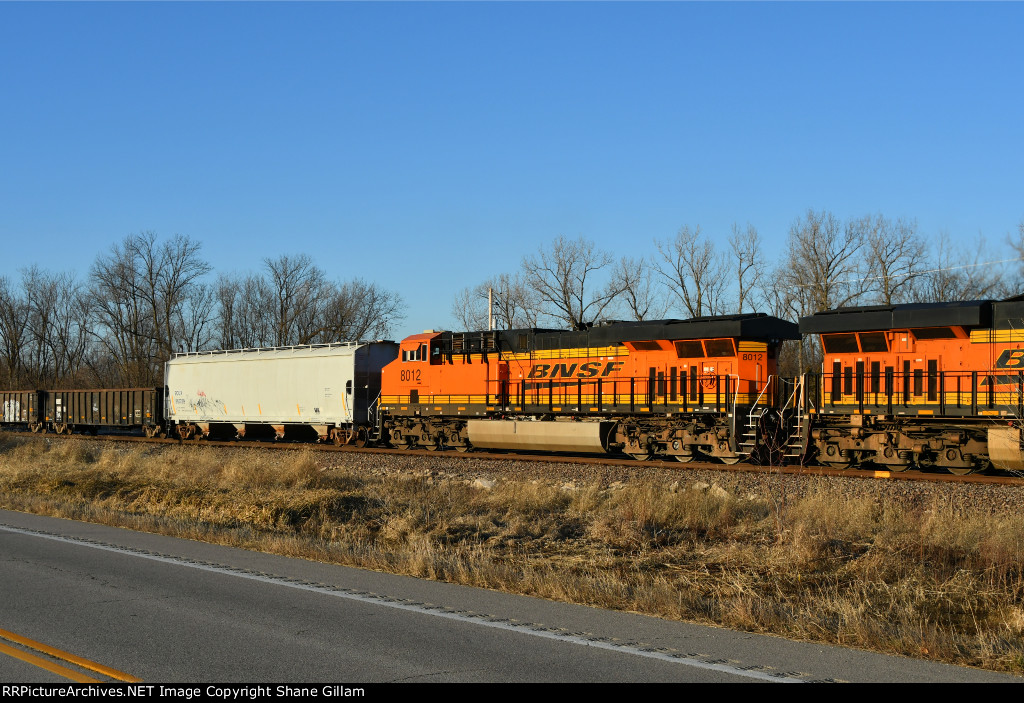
(332,390)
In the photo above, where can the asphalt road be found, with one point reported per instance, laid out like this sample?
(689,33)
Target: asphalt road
(136,606)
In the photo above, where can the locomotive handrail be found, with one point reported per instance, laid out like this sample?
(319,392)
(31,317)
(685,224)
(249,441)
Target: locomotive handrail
(798,387)
(757,401)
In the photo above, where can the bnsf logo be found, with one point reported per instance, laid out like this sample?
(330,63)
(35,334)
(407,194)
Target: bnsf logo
(1011,359)
(587,370)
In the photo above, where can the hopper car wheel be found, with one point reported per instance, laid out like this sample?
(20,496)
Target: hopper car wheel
(683,458)
(730,460)
(462,447)
(839,465)
(641,456)
(342,436)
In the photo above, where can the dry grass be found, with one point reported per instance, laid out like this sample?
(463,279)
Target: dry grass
(940,581)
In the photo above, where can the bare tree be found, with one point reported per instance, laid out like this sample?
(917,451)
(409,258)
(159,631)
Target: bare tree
(562,278)
(142,292)
(14,316)
(245,307)
(959,273)
(1015,282)
(229,301)
(297,286)
(124,325)
(294,303)
(748,263)
(41,293)
(693,272)
(823,267)
(638,292)
(896,257)
(58,325)
(821,270)
(172,274)
(193,320)
(357,310)
(511,302)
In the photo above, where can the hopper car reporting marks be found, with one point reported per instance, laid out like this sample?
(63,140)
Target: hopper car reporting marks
(674,388)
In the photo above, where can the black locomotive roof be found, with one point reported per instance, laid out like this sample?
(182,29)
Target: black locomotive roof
(749,326)
(975,313)
(753,326)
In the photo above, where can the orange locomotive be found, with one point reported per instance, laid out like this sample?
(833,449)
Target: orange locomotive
(925,385)
(678,388)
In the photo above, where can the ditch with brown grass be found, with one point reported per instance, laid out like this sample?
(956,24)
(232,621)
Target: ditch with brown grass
(937,579)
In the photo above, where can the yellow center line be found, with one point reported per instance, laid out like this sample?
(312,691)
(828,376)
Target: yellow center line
(57,669)
(43,664)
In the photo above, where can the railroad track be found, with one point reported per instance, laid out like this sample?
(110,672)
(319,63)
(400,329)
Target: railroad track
(799,470)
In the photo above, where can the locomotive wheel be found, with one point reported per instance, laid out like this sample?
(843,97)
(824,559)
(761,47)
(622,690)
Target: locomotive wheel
(457,442)
(641,456)
(960,470)
(730,460)
(839,465)
(683,458)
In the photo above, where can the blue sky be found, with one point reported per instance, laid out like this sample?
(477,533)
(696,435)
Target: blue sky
(425,146)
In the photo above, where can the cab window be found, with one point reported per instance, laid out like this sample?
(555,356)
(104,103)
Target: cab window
(840,343)
(873,342)
(689,349)
(719,347)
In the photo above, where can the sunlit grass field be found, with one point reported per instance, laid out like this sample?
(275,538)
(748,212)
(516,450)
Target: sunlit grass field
(937,581)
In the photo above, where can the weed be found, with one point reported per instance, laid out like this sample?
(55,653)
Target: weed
(935,580)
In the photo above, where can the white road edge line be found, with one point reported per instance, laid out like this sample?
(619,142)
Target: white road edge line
(377,600)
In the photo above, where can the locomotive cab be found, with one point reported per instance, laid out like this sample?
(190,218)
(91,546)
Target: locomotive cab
(410,373)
